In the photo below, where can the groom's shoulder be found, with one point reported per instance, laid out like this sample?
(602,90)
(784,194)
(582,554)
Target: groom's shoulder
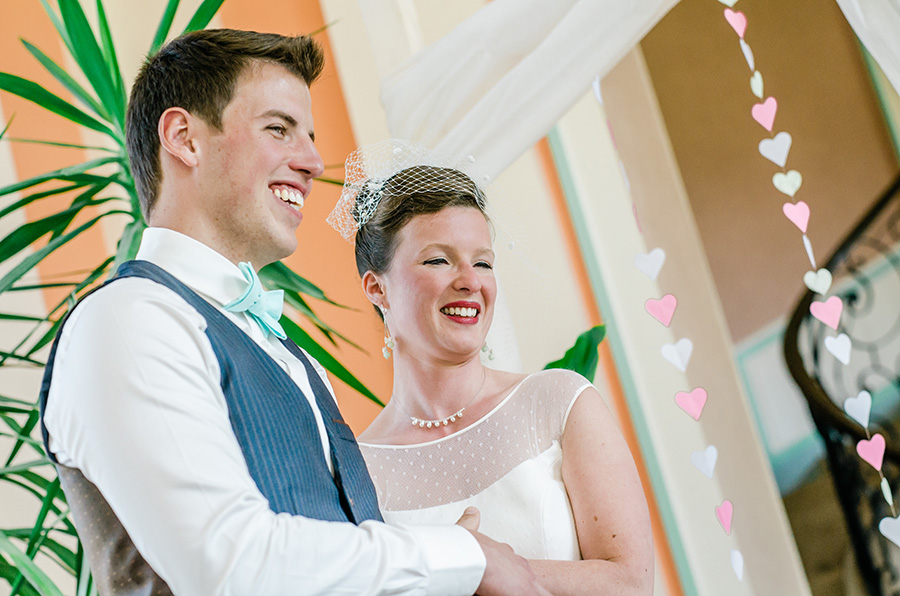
(128,307)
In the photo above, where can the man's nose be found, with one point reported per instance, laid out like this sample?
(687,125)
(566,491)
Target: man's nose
(307,159)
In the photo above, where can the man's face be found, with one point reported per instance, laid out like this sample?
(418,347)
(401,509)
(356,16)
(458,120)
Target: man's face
(258,170)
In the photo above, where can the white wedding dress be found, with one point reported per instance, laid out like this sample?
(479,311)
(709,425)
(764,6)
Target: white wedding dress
(508,464)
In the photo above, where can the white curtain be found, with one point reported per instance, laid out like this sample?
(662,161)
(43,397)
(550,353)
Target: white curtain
(499,81)
(877,24)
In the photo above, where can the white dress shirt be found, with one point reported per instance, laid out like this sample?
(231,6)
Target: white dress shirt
(136,405)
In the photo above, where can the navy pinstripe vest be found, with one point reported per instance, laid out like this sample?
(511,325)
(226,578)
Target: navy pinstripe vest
(273,421)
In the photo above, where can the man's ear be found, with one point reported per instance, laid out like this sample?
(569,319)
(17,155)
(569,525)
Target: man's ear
(177,135)
(374,289)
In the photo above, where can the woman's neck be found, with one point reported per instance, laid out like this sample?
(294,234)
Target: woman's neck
(434,391)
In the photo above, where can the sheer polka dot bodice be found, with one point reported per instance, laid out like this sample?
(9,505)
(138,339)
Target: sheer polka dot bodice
(508,464)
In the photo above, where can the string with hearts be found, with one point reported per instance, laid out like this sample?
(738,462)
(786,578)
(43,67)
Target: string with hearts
(776,148)
(679,353)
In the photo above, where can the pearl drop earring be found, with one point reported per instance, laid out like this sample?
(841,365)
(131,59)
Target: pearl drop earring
(489,350)
(388,340)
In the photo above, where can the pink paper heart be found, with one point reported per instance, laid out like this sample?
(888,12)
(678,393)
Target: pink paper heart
(724,513)
(872,451)
(692,402)
(829,312)
(663,309)
(798,213)
(764,113)
(737,20)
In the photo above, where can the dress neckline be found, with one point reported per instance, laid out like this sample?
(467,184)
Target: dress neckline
(457,433)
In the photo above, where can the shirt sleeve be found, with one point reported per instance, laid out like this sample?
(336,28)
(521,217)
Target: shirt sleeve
(136,405)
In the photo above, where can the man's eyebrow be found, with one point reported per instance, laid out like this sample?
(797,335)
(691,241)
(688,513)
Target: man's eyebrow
(288,119)
(279,114)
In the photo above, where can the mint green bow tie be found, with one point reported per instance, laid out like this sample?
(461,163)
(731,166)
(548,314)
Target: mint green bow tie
(262,306)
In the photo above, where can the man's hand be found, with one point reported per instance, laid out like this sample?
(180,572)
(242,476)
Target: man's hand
(507,573)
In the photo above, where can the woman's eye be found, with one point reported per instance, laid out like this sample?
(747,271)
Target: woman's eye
(484,264)
(436,261)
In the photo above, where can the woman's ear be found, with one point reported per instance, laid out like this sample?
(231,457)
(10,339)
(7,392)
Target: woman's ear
(373,286)
(177,135)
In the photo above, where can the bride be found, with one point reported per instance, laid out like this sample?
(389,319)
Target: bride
(539,455)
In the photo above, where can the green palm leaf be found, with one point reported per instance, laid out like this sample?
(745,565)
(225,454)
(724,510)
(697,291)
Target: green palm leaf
(90,59)
(165,25)
(35,93)
(70,173)
(67,81)
(32,573)
(204,14)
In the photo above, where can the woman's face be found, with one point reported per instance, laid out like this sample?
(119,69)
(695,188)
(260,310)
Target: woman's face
(440,288)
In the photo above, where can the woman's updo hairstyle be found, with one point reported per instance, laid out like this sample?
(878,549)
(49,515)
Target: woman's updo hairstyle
(413,191)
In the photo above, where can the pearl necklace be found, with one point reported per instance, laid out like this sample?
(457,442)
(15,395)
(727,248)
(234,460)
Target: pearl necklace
(423,423)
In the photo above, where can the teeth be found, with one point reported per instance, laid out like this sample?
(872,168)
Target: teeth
(459,311)
(292,197)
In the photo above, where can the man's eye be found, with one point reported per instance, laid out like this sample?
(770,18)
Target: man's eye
(278,129)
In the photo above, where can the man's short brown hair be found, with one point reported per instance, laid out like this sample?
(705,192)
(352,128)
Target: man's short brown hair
(198,72)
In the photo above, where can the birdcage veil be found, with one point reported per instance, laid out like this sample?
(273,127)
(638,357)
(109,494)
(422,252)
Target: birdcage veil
(396,167)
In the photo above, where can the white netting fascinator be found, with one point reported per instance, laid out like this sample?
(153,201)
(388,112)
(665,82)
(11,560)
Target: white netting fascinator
(395,167)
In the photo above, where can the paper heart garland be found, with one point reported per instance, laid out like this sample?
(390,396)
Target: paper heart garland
(748,55)
(729,3)
(818,281)
(788,183)
(872,451)
(859,407)
(692,402)
(663,309)
(764,113)
(737,20)
(839,347)
(705,460)
(829,312)
(651,263)
(724,513)
(756,83)
(776,149)
(798,213)
(679,353)
(737,564)
(890,529)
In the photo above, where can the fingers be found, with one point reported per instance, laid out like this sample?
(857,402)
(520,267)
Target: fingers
(470,520)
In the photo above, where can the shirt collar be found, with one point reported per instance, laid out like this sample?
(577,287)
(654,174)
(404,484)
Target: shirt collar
(195,264)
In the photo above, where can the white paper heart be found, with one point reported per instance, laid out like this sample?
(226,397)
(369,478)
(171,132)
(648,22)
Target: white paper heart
(788,183)
(818,281)
(756,83)
(737,563)
(748,55)
(598,93)
(859,407)
(679,353)
(705,460)
(651,263)
(776,150)
(890,529)
(839,347)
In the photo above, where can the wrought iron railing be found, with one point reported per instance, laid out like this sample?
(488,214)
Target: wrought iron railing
(866,272)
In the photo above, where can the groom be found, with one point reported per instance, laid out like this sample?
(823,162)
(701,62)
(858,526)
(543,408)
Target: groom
(200,452)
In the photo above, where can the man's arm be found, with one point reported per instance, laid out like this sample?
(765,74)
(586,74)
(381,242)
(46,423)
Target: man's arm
(136,406)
